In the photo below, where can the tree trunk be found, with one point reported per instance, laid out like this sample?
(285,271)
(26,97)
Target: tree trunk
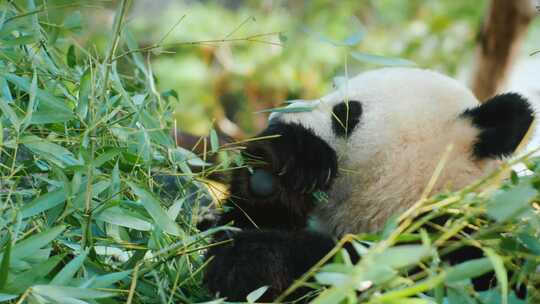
(500,40)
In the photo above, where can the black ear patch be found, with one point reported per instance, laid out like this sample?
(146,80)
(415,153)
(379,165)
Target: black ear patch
(503,121)
(346,116)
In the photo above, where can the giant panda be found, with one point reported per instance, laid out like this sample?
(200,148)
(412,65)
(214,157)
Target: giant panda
(372,146)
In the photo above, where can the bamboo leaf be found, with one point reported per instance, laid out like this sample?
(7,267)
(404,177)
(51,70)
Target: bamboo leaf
(214,141)
(85,89)
(121,217)
(51,109)
(54,153)
(10,114)
(32,244)
(468,269)
(44,202)
(153,206)
(253,296)
(507,204)
(71,58)
(70,292)
(380,60)
(4,266)
(500,272)
(109,279)
(66,274)
(31,108)
(25,279)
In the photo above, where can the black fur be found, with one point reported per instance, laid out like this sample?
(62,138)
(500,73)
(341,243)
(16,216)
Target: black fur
(301,164)
(503,121)
(346,117)
(264,258)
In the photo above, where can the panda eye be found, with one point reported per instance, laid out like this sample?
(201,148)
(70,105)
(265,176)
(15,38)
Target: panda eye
(345,117)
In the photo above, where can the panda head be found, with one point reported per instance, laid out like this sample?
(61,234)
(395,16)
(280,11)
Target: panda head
(390,129)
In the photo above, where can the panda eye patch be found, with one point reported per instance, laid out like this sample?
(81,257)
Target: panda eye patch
(345,116)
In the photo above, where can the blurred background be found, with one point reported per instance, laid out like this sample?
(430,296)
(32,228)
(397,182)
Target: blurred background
(222,61)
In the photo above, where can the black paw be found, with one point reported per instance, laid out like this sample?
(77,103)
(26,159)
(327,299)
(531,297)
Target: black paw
(296,158)
(263,258)
(250,261)
(286,168)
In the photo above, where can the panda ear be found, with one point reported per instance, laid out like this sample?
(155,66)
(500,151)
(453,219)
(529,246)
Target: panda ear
(503,121)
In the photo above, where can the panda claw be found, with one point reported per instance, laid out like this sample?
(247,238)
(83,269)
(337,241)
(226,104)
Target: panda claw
(284,169)
(328,176)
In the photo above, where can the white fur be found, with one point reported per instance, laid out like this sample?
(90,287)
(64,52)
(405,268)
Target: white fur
(409,118)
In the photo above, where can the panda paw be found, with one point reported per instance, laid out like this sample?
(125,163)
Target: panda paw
(299,160)
(250,261)
(284,170)
(256,258)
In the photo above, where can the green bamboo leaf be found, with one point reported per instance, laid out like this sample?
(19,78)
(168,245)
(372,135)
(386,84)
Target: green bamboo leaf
(44,202)
(32,244)
(332,295)
(6,91)
(507,204)
(180,156)
(31,108)
(492,296)
(155,129)
(153,206)
(530,242)
(66,274)
(331,278)
(469,269)
(293,107)
(21,40)
(54,153)
(51,108)
(115,182)
(133,45)
(214,141)
(4,266)
(168,94)
(71,58)
(25,279)
(174,210)
(97,189)
(401,256)
(53,291)
(85,89)
(6,297)
(107,280)
(124,218)
(500,272)
(253,296)
(380,60)
(105,157)
(10,114)
(402,295)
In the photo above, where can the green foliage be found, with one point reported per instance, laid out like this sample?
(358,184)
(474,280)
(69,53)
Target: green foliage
(98,204)
(84,137)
